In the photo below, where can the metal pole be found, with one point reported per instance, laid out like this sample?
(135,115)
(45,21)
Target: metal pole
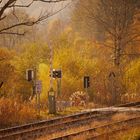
(34,82)
(58,87)
(86,87)
(39,103)
(51,65)
(51,93)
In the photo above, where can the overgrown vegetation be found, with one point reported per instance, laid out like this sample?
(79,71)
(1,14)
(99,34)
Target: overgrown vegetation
(15,112)
(78,53)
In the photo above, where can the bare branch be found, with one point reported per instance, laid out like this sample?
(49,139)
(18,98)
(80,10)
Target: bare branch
(106,45)
(50,1)
(9,3)
(28,5)
(23,6)
(54,13)
(12,4)
(132,38)
(2,18)
(28,22)
(14,33)
(15,13)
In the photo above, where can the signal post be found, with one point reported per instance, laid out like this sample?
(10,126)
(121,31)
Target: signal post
(86,83)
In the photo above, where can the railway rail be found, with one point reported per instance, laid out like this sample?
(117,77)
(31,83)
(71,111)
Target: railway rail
(35,130)
(116,127)
(133,104)
(100,131)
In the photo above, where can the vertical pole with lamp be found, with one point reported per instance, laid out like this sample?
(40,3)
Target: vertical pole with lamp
(51,93)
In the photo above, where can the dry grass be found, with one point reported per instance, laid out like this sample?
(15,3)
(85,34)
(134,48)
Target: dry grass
(131,134)
(13,112)
(120,116)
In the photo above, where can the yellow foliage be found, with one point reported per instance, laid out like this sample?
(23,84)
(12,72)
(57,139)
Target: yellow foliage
(74,67)
(44,77)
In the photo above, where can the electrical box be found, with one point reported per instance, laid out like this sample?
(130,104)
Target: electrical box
(51,102)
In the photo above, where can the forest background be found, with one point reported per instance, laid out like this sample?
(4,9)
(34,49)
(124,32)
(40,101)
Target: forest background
(83,44)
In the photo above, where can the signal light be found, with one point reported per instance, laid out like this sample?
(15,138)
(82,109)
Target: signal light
(56,74)
(86,82)
(29,75)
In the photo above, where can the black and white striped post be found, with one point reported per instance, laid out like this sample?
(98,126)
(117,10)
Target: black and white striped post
(51,93)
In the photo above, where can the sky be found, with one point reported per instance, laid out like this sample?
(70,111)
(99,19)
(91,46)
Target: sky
(38,7)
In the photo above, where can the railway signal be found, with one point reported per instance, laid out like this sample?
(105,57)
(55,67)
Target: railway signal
(29,75)
(51,93)
(56,74)
(86,82)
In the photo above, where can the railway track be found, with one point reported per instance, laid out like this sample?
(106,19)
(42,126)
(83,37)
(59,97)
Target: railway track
(115,127)
(51,126)
(35,130)
(100,131)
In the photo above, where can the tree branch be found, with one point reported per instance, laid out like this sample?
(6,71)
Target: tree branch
(30,23)
(9,2)
(12,4)
(28,5)
(50,1)
(23,6)
(14,33)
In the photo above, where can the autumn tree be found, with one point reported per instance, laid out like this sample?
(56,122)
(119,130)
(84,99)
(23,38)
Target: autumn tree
(118,20)
(31,55)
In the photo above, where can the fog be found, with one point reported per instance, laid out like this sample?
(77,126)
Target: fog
(39,8)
